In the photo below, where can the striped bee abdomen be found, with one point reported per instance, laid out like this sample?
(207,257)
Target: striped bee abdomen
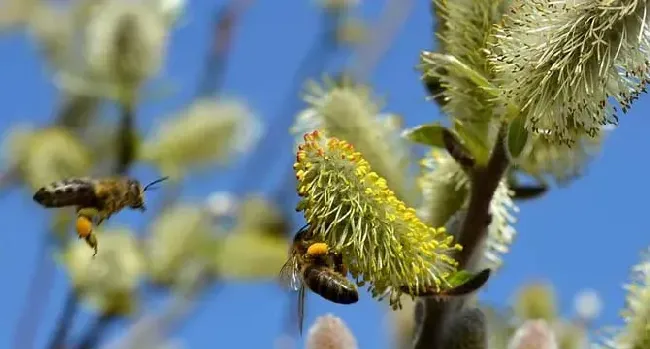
(330,285)
(68,192)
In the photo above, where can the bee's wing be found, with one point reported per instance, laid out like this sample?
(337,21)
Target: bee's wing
(301,308)
(289,276)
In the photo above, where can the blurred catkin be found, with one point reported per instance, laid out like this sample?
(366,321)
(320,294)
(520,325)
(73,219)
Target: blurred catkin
(46,155)
(330,332)
(351,31)
(401,324)
(251,256)
(125,43)
(180,234)
(635,332)
(536,301)
(570,334)
(534,334)
(500,326)
(337,5)
(109,281)
(261,227)
(260,216)
(15,13)
(444,187)
(52,29)
(207,131)
(352,209)
(348,111)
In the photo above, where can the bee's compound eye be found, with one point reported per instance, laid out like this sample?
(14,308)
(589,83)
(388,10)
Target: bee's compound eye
(84,226)
(318,248)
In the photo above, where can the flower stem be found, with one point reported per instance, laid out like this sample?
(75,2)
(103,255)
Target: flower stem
(126,139)
(94,333)
(484,181)
(75,112)
(64,322)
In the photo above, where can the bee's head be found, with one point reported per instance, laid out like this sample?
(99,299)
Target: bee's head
(136,192)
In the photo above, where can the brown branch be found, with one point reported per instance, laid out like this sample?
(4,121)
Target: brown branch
(95,332)
(75,112)
(148,331)
(484,182)
(57,341)
(225,22)
(126,147)
(394,15)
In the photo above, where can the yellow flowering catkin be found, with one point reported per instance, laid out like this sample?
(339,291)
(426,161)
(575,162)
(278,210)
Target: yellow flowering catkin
(351,208)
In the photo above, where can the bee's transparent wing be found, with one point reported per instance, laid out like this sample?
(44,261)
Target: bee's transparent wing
(289,276)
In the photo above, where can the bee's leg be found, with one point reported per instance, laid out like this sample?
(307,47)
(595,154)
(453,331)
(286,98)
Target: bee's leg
(339,266)
(91,240)
(102,217)
(84,226)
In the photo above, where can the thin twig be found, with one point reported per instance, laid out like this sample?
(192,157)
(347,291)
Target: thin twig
(147,331)
(58,338)
(94,333)
(75,112)
(314,61)
(225,22)
(126,139)
(125,148)
(484,181)
(41,279)
(394,15)
(211,83)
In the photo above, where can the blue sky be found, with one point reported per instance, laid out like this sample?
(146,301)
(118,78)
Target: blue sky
(585,236)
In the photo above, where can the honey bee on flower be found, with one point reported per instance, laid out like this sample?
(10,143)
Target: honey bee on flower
(352,209)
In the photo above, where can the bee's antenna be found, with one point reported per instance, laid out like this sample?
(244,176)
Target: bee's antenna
(150,186)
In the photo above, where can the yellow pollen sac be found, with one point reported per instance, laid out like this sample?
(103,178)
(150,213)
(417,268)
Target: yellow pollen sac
(317,249)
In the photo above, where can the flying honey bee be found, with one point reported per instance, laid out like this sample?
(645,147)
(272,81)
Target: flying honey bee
(315,265)
(95,199)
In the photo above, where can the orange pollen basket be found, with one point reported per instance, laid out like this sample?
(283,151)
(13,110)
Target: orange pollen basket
(84,226)
(318,248)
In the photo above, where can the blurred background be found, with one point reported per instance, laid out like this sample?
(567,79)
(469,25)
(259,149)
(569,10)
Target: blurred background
(233,73)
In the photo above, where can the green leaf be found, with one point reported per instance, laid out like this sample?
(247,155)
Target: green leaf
(459,278)
(517,137)
(461,283)
(464,282)
(430,135)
